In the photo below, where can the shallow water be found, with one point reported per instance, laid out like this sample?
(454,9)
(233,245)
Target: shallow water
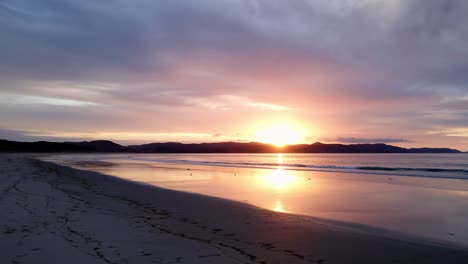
(427,203)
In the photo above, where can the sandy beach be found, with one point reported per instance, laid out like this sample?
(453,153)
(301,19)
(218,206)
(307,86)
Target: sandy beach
(56,214)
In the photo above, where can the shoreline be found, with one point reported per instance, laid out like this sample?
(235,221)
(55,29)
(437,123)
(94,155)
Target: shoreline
(96,218)
(356,170)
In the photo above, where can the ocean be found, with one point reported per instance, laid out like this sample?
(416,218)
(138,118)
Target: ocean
(424,195)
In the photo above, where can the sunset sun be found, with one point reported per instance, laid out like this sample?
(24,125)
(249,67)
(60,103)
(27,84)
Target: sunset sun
(279,135)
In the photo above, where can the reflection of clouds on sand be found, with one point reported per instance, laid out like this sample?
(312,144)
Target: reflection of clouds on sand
(360,198)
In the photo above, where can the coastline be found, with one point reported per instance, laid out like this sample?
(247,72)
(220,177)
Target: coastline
(58,214)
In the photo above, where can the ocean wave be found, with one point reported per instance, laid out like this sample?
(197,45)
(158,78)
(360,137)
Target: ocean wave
(414,169)
(312,166)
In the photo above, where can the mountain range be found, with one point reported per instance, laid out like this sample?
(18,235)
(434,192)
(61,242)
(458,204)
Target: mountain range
(105,146)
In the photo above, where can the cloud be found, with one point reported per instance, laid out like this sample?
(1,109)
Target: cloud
(32,136)
(307,41)
(171,66)
(42,100)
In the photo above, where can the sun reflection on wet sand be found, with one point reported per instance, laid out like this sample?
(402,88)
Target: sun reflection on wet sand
(279,206)
(279,158)
(279,180)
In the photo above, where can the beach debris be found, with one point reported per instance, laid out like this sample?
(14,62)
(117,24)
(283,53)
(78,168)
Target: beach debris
(207,256)
(267,245)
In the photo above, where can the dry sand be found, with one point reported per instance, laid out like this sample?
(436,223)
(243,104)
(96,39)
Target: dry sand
(55,214)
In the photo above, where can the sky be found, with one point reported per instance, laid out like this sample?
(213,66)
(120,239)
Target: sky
(140,71)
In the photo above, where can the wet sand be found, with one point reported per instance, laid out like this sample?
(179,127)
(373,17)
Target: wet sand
(56,214)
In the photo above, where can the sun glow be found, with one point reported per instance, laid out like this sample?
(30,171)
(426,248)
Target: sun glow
(279,135)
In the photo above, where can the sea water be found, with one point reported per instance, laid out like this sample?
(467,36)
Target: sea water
(417,194)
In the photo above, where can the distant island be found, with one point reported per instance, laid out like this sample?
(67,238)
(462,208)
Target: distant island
(105,146)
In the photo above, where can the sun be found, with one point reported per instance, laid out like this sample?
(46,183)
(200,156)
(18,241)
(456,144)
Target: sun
(279,135)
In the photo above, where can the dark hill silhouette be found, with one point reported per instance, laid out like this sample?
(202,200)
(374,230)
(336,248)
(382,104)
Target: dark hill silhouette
(341,148)
(222,147)
(40,146)
(100,146)
(44,146)
(254,147)
(104,146)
